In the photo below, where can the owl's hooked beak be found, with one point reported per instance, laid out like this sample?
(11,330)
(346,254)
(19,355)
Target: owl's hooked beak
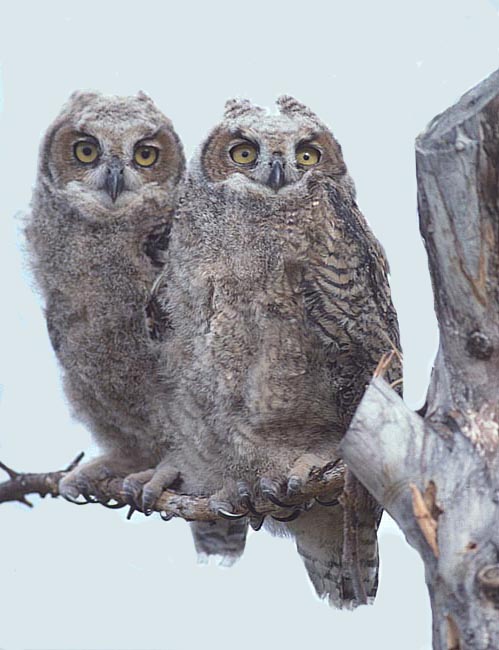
(114,179)
(277,177)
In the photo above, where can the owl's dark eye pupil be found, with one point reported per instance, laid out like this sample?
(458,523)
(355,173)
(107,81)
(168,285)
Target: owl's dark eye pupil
(245,153)
(306,156)
(87,151)
(146,153)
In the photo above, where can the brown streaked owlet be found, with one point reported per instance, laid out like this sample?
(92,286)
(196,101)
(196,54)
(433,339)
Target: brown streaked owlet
(102,208)
(277,295)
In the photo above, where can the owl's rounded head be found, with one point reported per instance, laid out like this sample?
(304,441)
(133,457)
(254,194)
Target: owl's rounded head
(105,154)
(270,154)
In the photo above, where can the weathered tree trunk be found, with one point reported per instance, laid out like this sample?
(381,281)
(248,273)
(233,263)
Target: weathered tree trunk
(438,477)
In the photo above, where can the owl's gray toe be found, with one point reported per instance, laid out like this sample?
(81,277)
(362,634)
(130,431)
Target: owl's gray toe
(70,492)
(273,490)
(149,497)
(223,507)
(132,489)
(77,486)
(295,485)
(246,498)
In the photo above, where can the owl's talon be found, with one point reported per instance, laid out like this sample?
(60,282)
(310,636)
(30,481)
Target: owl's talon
(112,506)
(270,489)
(248,504)
(256,524)
(149,498)
(132,491)
(166,516)
(278,502)
(74,500)
(328,504)
(245,498)
(85,481)
(144,488)
(294,515)
(131,512)
(231,515)
(89,497)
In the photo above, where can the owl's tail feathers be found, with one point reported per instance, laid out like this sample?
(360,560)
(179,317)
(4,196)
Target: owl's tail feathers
(320,539)
(225,539)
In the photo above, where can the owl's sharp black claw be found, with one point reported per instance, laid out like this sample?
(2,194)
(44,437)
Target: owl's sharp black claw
(328,504)
(256,525)
(75,500)
(149,498)
(132,493)
(88,497)
(270,490)
(166,516)
(291,517)
(276,501)
(113,506)
(130,512)
(231,515)
(248,504)
(245,498)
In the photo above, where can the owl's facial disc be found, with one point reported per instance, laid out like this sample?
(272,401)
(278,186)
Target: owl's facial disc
(104,169)
(272,155)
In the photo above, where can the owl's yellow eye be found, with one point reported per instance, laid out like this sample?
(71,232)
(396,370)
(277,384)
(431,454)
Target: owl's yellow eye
(307,155)
(244,154)
(86,152)
(145,155)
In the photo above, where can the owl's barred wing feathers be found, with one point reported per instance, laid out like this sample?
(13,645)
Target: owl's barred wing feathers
(348,298)
(348,301)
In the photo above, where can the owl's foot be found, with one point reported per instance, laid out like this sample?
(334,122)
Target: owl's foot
(242,503)
(240,499)
(143,489)
(86,480)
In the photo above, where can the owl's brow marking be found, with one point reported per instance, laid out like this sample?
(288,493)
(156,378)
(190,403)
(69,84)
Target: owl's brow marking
(242,135)
(152,136)
(87,136)
(309,139)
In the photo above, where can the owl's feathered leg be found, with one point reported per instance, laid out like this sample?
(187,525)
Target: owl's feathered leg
(225,539)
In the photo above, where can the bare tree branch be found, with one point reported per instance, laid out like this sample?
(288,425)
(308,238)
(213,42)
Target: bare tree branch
(327,480)
(439,477)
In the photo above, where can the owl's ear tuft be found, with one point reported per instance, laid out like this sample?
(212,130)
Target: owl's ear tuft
(144,97)
(238,107)
(83,95)
(289,105)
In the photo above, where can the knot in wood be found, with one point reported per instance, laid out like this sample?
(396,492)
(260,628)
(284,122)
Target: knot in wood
(479,345)
(488,578)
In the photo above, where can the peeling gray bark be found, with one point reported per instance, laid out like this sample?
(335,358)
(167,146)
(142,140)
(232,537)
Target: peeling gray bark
(438,477)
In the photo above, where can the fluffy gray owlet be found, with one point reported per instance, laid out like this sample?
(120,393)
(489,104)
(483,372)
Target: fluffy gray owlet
(280,308)
(101,215)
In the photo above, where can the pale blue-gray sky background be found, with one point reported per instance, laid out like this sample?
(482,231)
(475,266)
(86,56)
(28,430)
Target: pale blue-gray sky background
(377,72)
